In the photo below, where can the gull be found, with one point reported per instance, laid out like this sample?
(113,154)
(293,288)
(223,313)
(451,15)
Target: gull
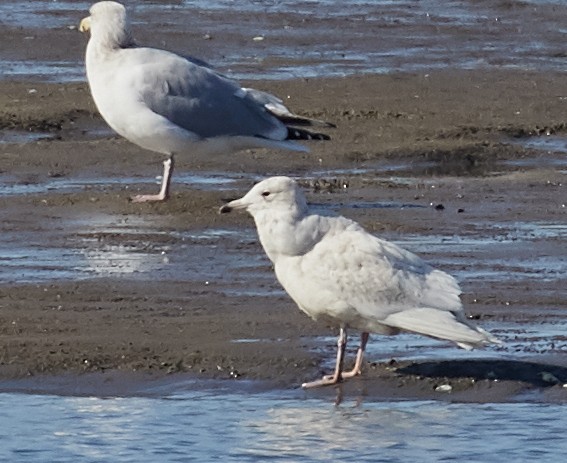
(172,105)
(337,272)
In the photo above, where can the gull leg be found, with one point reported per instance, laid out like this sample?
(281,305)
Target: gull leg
(357,370)
(165,182)
(336,376)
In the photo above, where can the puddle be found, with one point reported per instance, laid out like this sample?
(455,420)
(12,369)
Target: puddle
(550,143)
(11,186)
(413,173)
(48,71)
(518,337)
(106,245)
(527,337)
(335,179)
(9,136)
(499,234)
(120,259)
(517,251)
(20,136)
(212,180)
(216,233)
(37,263)
(113,246)
(533,230)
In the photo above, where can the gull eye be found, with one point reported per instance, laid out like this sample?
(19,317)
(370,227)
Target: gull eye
(266,194)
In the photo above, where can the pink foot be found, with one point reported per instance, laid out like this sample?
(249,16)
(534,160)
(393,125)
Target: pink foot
(328,380)
(148,198)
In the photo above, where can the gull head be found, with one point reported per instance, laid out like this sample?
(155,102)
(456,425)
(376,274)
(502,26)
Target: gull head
(271,195)
(85,25)
(108,24)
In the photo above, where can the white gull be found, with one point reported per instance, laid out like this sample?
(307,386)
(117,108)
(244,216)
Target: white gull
(337,272)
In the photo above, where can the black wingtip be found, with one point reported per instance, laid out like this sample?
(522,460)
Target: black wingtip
(293,119)
(302,134)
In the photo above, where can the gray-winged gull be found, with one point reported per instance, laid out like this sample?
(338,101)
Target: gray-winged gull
(337,272)
(175,105)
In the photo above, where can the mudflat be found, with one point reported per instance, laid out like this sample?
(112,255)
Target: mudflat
(94,284)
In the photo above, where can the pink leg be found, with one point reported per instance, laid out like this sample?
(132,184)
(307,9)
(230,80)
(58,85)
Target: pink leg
(357,370)
(336,376)
(165,182)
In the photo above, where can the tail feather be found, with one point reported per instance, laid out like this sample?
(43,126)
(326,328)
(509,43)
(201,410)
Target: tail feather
(441,324)
(294,133)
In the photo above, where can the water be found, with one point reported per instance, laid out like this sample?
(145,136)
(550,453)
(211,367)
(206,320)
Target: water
(504,253)
(22,136)
(50,71)
(12,186)
(105,245)
(237,426)
(518,336)
(300,39)
(548,143)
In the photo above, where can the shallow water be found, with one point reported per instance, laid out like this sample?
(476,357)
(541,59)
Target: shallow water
(106,245)
(519,336)
(21,136)
(231,425)
(50,71)
(547,143)
(10,185)
(498,255)
(414,36)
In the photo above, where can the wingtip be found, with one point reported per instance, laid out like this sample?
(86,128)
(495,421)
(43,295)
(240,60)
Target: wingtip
(302,134)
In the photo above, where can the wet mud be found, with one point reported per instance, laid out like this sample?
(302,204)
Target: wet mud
(451,164)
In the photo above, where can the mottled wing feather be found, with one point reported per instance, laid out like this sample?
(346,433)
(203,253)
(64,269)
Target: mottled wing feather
(376,277)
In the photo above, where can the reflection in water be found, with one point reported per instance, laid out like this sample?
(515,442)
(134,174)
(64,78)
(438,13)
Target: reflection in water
(363,432)
(281,426)
(104,424)
(407,431)
(120,259)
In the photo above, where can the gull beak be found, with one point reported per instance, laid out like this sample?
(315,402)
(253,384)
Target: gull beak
(236,204)
(85,24)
